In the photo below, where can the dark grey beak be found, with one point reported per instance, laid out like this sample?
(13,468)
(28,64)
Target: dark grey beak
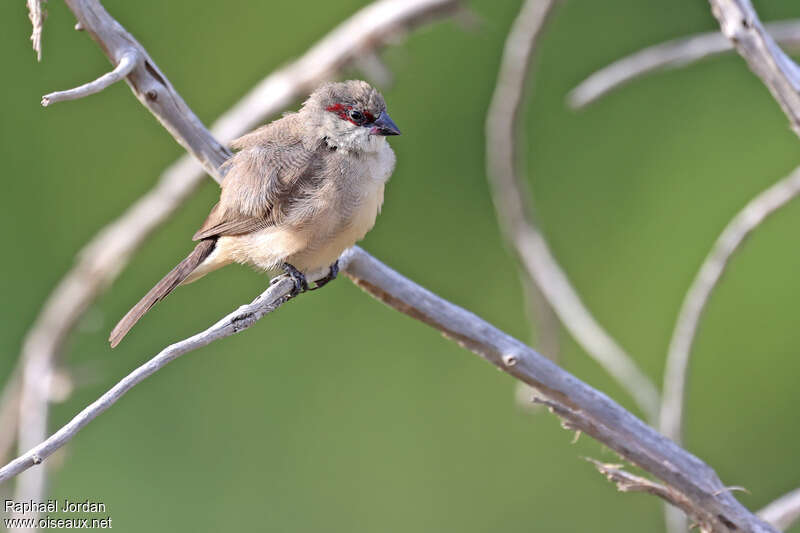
(384,125)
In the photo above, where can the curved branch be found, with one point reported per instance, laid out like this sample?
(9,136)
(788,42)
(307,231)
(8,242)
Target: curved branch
(671,54)
(582,407)
(707,278)
(126,64)
(509,194)
(740,23)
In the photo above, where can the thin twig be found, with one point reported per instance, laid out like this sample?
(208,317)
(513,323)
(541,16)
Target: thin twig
(784,512)
(704,283)
(509,193)
(671,54)
(740,23)
(377,25)
(627,482)
(126,64)
(581,406)
(37,15)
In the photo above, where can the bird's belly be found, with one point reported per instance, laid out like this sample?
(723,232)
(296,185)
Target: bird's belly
(333,234)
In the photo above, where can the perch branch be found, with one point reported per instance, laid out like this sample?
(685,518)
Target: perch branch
(371,28)
(581,406)
(241,319)
(509,193)
(740,23)
(783,512)
(704,283)
(126,64)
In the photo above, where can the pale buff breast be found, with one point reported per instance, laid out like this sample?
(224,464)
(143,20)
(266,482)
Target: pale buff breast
(354,215)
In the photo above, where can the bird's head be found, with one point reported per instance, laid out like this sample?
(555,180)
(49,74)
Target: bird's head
(350,115)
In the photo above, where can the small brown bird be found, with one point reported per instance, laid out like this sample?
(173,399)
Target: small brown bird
(298,192)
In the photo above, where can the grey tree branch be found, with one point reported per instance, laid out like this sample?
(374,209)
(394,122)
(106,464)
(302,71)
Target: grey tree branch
(671,54)
(582,407)
(126,64)
(37,14)
(740,23)
(373,27)
(509,193)
(784,512)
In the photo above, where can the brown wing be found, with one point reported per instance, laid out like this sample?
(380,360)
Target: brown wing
(273,169)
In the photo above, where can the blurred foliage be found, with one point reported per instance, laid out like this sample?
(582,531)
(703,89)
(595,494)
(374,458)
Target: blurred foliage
(337,414)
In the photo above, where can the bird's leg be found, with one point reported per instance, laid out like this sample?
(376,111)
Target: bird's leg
(334,271)
(299,279)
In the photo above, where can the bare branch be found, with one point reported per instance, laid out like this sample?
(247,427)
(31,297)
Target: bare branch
(784,512)
(509,193)
(126,64)
(707,278)
(740,23)
(582,407)
(37,15)
(671,54)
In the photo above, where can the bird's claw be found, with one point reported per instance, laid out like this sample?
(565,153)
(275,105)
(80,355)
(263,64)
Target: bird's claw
(332,273)
(298,278)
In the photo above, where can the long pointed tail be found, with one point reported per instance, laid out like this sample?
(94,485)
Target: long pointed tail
(175,277)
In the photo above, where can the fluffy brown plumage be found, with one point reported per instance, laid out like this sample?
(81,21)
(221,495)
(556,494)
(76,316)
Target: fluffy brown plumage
(299,191)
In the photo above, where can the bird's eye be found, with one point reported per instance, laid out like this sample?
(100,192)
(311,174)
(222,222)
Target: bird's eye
(356,116)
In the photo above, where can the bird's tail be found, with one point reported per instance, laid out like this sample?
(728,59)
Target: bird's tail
(168,283)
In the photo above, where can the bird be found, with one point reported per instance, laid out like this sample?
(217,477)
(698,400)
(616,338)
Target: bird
(297,192)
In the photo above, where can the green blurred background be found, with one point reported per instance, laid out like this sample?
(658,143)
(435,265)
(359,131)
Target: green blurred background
(338,414)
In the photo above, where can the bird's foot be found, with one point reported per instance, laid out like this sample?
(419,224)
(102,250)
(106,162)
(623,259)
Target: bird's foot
(299,279)
(332,273)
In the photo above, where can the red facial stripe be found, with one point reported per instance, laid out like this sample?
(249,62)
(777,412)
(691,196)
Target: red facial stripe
(341,111)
